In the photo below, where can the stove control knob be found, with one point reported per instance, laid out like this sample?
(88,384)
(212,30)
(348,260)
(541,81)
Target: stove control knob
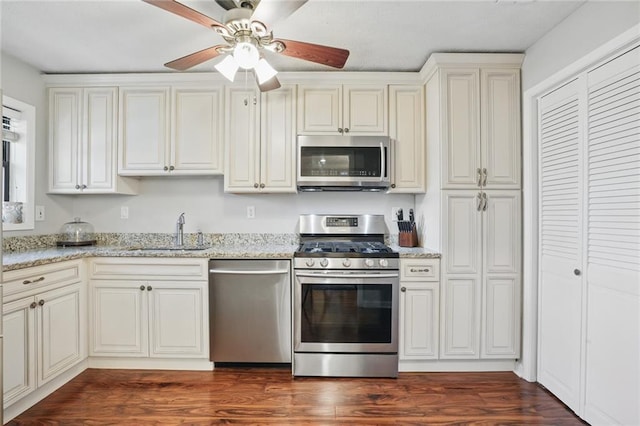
(324,263)
(383,262)
(368,263)
(310,262)
(346,263)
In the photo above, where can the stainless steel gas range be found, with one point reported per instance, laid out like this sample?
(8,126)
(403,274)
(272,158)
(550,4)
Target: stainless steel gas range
(345,298)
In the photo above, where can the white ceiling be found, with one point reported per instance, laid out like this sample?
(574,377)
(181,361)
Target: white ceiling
(80,36)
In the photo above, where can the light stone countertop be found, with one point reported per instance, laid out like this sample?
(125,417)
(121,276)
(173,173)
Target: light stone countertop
(232,248)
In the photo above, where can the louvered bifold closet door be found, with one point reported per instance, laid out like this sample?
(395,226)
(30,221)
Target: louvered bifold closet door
(560,295)
(613,244)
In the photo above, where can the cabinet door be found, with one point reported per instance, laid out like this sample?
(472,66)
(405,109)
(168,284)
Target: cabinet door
(462,237)
(177,318)
(500,126)
(19,349)
(419,321)
(99,145)
(319,110)
(501,316)
(196,145)
(502,234)
(119,316)
(460,114)
(64,139)
(143,130)
(242,140)
(406,128)
(365,110)
(60,331)
(278,140)
(460,328)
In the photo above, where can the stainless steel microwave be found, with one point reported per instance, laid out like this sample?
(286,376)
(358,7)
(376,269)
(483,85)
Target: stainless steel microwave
(344,163)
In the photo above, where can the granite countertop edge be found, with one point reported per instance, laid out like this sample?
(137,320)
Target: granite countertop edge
(28,258)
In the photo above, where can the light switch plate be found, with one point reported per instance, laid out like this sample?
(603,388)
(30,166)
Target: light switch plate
(39,213)
(251,212)
(124,212)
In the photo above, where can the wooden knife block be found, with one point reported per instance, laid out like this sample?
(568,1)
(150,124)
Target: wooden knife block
(408,239)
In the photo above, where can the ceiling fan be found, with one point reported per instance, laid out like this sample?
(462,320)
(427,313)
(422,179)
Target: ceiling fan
(246,36)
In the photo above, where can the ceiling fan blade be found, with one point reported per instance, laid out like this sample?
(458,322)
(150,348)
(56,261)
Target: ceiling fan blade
(331,56)
(185,11)
(194,59)
(271,11)
(271,84)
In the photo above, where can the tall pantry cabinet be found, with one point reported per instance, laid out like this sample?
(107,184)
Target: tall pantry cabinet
(473,201)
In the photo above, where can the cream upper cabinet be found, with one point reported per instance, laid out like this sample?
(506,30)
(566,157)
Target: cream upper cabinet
(406,129)
(260,135)
(481,274)
(165,130)
(473,114)
(342,109)
(82,142)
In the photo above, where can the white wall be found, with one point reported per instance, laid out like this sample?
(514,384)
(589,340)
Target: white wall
(593,24)
(24,83)
(209,209)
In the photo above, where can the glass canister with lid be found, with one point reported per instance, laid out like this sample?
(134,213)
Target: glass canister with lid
(76,233)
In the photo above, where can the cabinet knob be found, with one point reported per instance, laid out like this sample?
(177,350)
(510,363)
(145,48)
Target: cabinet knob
(77,186)
(403,289)
(141,288)
(41,302)
(149,288)
(393,185)
(84,186)
(340,130)
(577,272)
(346,130)
(33,305)
(262,185)
(255,185)
(165,168)
(171,168)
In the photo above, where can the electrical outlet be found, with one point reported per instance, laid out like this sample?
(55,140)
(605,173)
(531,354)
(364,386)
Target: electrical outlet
(394,213)
(39,213)
(124,212)
(251,212)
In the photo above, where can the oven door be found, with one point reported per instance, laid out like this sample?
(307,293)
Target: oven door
(346,311)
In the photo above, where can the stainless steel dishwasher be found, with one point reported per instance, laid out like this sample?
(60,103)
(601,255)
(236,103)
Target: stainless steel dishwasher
(250,311)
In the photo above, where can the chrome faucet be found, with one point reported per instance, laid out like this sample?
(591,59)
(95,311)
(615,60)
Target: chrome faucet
(180,230)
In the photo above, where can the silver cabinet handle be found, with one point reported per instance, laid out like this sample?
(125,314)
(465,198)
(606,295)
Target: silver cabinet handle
(420,270)
(486,202)
(37,280)
(41,302)
(383,162)
(33,305)
(577,272)
(403,289)
(484,179)
(249,272)
(479,197)
(479,172)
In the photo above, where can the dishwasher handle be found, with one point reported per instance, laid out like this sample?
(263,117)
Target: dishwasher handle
(249,272)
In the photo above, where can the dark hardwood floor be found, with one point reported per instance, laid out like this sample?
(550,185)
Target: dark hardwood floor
(272,396)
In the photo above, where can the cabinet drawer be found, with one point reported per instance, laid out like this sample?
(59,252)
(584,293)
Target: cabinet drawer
(31,280)
(419,269)
(148,268)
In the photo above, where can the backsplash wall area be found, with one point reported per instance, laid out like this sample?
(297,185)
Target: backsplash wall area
(208,209)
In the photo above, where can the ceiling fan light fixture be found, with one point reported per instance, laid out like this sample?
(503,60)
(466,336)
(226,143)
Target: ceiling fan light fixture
(264,71)
(228,67)
(246,55)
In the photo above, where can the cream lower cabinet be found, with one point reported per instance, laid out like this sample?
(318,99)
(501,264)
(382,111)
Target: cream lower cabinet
(419,309)
(153,308)
(261,140)
(480,292)
(43,325)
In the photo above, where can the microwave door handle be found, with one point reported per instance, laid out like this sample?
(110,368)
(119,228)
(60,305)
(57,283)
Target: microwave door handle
(383,162)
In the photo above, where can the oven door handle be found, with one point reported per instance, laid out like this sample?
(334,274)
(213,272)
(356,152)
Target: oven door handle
(338,275)
(249,272)
(383,162)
